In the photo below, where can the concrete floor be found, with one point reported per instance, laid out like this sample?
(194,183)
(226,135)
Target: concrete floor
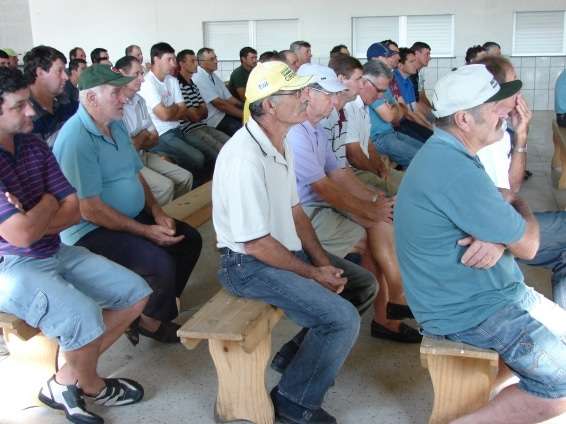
(381,382)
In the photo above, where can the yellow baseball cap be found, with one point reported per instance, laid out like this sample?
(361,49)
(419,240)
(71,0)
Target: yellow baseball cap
(268,78)
(9,51)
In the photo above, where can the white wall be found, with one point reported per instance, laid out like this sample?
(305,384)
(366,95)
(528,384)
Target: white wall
(15,26)
(114,24)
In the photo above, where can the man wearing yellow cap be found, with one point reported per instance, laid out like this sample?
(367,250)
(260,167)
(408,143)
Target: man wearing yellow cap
(13,57)
(269,250)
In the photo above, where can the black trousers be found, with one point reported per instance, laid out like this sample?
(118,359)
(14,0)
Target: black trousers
(165,268)
(414,130)
(561,119)
(229,125)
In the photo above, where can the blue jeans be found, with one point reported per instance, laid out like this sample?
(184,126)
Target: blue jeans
(552,251)
(333,321)
(530,337)
(399,147)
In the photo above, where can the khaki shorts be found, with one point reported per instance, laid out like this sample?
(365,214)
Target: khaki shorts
(389,186)
(337,233)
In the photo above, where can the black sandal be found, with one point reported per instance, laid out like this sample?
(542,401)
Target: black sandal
(166,333)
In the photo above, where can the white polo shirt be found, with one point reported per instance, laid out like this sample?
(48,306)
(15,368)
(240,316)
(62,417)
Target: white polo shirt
(496,159)
(253,191)
(166,92)
(211,87)
(358,124)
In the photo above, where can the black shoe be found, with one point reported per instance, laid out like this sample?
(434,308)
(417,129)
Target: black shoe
(133,332)
(118,392)
(166,333)
(406,333)
(291,413)
(68,399)
(396,311)
(528,174)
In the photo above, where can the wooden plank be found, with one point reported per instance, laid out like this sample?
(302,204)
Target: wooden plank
(16,326)
(432,346)
(225,317)
(194,207)
(8,321)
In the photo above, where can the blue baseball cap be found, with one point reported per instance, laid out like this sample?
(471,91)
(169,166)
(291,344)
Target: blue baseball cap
(378,50)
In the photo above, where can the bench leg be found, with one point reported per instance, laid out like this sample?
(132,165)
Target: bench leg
(562,154)
(241,382)
(32,362)
(556,162)
(461,385)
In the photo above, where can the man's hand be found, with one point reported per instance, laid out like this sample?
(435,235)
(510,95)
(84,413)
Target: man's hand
(162,235)
(13,200)
(330,277)
(507,194)
(382,166)
(480,254)
(521,116)
(382,209)
(161,218)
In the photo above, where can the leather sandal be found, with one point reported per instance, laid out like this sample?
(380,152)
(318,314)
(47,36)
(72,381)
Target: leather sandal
(166,333)
(397,311)
(406,334)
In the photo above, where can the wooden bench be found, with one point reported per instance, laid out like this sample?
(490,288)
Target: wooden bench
(462,377)
(32,360)
(194,207)
(559,156)
(239,339)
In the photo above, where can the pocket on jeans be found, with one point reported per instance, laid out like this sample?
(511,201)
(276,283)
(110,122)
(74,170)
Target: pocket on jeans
(37,309)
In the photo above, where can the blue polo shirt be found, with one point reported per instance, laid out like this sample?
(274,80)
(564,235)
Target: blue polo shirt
(406,87)
(99,166)
(560,94)
(445,196)
(378,125)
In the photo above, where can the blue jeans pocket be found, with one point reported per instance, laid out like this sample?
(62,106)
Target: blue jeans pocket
(37,309)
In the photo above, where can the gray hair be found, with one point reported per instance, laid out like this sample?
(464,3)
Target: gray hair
(447,122)
(296,45)
(376,69)
(83,93)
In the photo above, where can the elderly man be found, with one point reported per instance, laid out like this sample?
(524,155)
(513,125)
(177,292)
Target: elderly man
(83,300)
(342,209)
(303,51)
(456,238)
(121,219)
(262,231)
(44,67)
(290,58)
(165,179)
(224,110)
(77,53)
(135,51)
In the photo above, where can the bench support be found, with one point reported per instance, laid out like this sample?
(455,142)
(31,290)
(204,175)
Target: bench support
(462,377)
(32,363)
(241,381)
(559,156)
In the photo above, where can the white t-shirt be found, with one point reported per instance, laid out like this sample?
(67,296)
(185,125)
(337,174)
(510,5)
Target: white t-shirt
(496,159)
(166,92)
(211,87)
(136,116)
(358,124)
(253,191)
(336,131)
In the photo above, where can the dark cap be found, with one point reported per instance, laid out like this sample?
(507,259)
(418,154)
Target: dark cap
(378,50)
(99,74)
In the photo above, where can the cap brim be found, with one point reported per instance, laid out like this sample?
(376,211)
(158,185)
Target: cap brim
(333,86)
(506,90)
(297,82)
(119,82)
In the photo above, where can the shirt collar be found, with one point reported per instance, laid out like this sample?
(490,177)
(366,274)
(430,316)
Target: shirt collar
(359,103)
(264,143)
(89,124)
(455,143)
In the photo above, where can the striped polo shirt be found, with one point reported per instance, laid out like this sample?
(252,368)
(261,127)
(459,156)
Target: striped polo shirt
(192,98)
(28,174)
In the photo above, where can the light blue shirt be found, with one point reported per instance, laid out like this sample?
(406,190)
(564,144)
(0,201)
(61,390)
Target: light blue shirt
(560,94)
(314,158)
(378,125)
(99,166)
(445,196)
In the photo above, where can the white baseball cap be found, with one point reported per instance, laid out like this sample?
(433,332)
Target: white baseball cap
(322,75)
(467,87)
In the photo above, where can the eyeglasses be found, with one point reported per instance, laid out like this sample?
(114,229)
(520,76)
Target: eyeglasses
(295,93)
(379,90)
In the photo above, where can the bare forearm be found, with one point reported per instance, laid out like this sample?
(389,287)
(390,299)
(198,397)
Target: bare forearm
(274,254)
(308,237)
(518,164)
(527,247)
(150,201)
(67,215)
(346,179)
(228,108)
(99,213)
(357,157)
(340,198)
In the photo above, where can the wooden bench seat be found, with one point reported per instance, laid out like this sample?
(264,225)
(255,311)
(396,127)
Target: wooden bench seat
(194,207)
(462,377)
(239,339)
(559,156)
(32,360)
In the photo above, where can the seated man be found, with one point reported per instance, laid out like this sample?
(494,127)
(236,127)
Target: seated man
(505,164)
(290,58)
(166,180)
(474,54)
(44,68)
(224,110)
(76,66)
(560,99)
(167,109)
(120,218)
(303,51)
(77,53)
(342,209)
(456,236)
(262,231)
(81,299)
(195,125)
(101,56)
(4,59)
(239,76)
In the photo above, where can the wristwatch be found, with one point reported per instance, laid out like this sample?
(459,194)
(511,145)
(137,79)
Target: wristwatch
(520,149)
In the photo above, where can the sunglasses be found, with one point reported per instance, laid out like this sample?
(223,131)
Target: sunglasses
(379,90)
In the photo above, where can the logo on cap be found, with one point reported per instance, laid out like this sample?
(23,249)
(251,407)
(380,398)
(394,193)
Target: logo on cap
(262,85)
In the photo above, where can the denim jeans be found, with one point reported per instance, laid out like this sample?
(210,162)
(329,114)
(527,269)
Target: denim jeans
(229,125)
(412,129)
(552,251)
(399,147)
(333,321)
